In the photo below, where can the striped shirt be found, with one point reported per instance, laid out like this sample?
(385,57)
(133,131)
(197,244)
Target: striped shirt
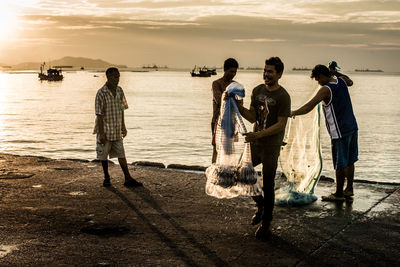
(111,108)
(339,115)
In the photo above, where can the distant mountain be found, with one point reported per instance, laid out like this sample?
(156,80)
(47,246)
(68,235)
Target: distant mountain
(75,62)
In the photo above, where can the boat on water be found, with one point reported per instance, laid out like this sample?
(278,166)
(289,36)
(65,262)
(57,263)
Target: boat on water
(301,69)
(53,74)
(368,70)
(203,72)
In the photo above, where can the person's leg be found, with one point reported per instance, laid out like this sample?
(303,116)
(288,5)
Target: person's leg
(129,181)
(102,151)
(270,163)
(338,158)
(340,178)
(352,158)
(259,200)
(106,181)
(349,174)
(117,150)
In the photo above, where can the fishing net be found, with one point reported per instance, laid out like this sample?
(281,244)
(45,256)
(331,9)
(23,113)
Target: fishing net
(233,173)
(300,160)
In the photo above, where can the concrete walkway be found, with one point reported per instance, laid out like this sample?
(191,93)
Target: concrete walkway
(55,212)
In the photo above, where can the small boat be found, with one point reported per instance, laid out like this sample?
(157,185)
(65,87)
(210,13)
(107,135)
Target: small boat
(203,72)
(53,74)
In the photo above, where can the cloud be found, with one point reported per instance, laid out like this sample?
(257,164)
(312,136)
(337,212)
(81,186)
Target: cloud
(88,27)
(258,40)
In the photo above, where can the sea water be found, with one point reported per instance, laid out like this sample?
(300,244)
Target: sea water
(169,116)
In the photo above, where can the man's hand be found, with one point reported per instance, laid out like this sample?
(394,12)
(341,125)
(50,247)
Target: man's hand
(102,138)
(251,136)
(124,132)
(226,95)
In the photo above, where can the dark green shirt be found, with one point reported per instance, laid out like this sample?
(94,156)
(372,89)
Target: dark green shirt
(277,104)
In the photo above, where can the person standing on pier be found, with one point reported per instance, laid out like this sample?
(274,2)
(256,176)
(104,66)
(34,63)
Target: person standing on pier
(341,124)
(218,88)
(269,111)
(110,127)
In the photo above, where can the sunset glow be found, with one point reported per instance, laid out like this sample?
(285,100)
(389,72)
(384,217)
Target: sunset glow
(8,21)
(174,33)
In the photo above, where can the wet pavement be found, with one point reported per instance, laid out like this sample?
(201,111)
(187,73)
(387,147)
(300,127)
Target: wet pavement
(55,212)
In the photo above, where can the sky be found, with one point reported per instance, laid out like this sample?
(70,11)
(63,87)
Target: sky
(184,33)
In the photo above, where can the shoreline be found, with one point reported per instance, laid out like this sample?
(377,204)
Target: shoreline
(193,168)
(55,212)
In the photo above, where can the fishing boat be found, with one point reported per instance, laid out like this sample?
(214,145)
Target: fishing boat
(53,74)
(203,72)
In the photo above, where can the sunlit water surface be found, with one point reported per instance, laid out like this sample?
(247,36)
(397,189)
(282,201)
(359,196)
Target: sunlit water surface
(169,115)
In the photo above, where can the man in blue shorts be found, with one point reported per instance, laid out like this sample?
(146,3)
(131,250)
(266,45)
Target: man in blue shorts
(341,124)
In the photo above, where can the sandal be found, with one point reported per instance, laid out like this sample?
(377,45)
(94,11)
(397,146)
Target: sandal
(332,198)
(348,194)
(106,182)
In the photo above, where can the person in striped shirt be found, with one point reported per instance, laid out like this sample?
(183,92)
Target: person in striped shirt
(341,124)
(110,127)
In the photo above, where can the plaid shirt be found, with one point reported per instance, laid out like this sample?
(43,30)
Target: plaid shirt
(111,108)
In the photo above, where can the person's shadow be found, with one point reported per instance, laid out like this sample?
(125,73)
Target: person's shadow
(145,195)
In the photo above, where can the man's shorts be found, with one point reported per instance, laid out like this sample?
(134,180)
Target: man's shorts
(345,151)
(114,149)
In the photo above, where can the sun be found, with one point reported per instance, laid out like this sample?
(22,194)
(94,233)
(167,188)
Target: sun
(8,20)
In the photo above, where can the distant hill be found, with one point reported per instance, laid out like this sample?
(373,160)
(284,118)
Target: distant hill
(75,62)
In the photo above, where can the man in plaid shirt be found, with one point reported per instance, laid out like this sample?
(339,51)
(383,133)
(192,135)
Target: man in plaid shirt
(110,126)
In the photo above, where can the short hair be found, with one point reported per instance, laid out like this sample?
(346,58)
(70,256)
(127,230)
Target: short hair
(320,69)
(277,62)
(230,63)
(111,70)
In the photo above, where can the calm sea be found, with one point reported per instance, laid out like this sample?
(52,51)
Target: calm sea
(169,114)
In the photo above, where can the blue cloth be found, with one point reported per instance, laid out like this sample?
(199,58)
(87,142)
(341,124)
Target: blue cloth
(228,118)
(345,151)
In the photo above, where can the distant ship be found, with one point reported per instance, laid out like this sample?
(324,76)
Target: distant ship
(154,67)
(368,70)
(53,74)
(301,69)
(254,68)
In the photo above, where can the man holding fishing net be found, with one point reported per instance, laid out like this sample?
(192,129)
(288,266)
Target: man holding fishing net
(269,111)
(341,124)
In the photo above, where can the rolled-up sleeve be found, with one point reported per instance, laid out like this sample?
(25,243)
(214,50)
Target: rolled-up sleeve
(123,99)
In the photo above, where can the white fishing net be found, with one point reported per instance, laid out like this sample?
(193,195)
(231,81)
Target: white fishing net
(300,160)
(233,173)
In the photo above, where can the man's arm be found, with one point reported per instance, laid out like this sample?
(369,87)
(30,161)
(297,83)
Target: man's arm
(248,114)
(216,101)
(346,78)
(322,94)
(100,124)
(123,127)
(278,127)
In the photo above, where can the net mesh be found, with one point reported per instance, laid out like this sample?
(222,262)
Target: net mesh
(300,160)
(233,173)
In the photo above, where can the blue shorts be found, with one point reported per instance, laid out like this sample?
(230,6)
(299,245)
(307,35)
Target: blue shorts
(345,151)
